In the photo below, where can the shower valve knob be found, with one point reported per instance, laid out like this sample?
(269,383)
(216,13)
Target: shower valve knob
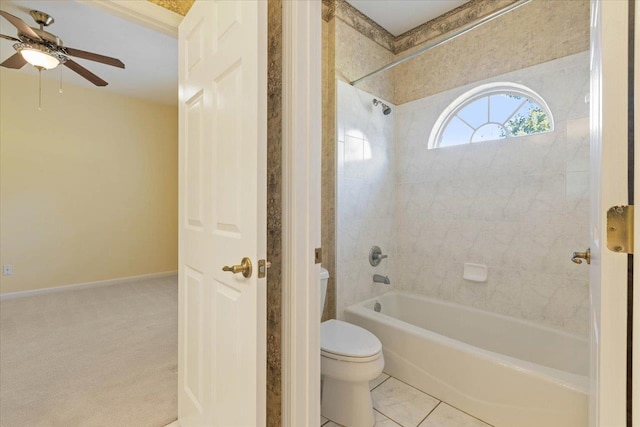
(376,256)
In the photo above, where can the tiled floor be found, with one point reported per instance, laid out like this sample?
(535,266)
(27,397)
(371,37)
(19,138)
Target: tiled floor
(397,404)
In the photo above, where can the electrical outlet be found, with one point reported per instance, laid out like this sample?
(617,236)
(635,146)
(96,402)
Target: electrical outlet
(7,270)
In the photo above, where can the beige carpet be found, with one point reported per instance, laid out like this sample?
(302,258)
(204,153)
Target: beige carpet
(104,356)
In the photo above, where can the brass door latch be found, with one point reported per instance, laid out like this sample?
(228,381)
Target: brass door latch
(263,264)
(620,229)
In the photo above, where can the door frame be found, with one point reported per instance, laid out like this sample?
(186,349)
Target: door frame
(301,167)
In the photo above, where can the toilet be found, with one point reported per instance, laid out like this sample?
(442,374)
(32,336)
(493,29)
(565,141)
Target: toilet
(350,357)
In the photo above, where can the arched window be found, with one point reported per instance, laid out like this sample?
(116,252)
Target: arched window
(490,112)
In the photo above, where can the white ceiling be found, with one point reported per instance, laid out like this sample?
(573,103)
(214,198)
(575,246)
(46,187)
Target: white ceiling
(399,16)
(150,57)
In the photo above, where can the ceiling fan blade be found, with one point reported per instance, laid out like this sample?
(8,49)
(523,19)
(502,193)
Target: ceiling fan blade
(15,61)
(85,73)
(13,39)
(94,57)
(21,25)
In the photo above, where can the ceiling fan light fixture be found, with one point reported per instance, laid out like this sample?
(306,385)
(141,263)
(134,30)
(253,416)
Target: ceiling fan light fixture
(38,56)
(40,59)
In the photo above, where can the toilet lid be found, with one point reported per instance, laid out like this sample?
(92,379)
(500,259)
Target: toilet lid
(344,339)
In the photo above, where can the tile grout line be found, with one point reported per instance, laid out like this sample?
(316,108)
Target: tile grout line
(395,421)
(439,401)
(430,412)
(466,413)
(415,388)
(388,417)
(382,382)
(427,416)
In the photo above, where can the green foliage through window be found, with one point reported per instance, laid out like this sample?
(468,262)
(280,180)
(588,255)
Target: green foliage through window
(519,125)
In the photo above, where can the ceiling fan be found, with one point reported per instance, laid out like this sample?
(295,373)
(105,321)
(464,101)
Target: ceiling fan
(45,51)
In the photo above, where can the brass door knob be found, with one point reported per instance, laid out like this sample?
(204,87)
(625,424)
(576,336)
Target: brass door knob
(244,267)
(577,257)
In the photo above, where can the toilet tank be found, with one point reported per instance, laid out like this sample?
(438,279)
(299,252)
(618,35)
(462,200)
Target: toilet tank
(324,278)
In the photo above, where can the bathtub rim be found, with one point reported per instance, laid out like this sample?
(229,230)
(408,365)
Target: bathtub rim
(576,382)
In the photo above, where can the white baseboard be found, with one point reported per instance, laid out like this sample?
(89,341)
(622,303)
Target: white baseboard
(22,294)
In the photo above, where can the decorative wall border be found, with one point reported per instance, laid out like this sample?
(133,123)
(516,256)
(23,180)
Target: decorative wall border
(328,10)
(181,7)
(456,18)
(452,20)
(274,213)
(363,24)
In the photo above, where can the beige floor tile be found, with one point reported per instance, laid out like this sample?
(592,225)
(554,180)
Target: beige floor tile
(323,420)
(402,403)
(377,381)
(382,421)
(447,416)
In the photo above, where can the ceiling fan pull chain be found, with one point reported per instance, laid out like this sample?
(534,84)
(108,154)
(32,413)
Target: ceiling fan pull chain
(60,90)
(39,88)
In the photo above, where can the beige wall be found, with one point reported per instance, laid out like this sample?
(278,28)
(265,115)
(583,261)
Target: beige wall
(88,185)
(356,56)
(535,33)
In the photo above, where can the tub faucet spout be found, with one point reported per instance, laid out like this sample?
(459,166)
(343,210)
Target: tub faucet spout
(379,278)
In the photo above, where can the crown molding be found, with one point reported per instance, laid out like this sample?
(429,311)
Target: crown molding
(141,12)
(448,22)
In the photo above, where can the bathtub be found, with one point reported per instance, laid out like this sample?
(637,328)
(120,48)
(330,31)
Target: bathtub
(505,371)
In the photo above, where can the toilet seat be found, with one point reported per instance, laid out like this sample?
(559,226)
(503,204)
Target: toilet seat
(347,342)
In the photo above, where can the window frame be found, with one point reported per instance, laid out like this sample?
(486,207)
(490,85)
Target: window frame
(482,91)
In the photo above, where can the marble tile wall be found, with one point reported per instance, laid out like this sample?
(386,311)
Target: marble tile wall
(328,201)
(519,205)
(536,33)
(366,195)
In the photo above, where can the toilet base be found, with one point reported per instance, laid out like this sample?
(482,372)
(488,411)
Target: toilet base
(347,403)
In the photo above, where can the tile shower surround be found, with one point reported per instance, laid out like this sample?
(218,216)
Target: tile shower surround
(366,159)
(518,205)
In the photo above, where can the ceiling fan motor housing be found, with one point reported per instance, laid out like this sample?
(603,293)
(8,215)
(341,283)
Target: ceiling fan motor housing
(42,18)
(46,36)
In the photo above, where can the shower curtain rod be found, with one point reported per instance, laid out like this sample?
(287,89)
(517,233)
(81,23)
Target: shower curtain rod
(447,37)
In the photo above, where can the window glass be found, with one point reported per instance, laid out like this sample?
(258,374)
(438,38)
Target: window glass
(492,112)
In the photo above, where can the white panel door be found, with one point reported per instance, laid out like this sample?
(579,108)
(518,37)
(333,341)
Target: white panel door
(222,213)
(608,270)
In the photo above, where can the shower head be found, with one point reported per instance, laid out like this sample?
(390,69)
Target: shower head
(386,110)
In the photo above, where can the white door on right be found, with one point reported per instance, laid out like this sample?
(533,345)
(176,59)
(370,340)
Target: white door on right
(222,214)
(609,187)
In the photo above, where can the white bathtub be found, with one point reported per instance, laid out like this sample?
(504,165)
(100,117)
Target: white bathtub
(505,371)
